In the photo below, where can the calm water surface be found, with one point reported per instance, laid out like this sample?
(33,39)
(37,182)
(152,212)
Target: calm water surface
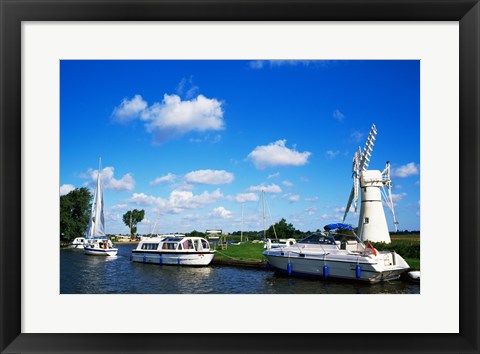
(81,274)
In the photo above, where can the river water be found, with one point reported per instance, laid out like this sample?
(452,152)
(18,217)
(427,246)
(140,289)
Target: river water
(81,274)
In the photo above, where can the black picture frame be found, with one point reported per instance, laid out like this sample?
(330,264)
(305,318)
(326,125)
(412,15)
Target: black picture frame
(13,12)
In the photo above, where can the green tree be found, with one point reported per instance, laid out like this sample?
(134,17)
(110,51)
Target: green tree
(282,228)
(74,213)
(196,233)
(131,218)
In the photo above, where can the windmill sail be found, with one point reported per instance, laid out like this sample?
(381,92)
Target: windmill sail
(360,163)
(96,223)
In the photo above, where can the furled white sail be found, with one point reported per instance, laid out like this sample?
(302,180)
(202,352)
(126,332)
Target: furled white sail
(96,223)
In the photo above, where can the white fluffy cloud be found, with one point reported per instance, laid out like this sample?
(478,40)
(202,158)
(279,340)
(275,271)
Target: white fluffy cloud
(126,183)
(129,109)
(246,197)
(287,183)
(66,188)
(273,188)
(173,117)
(312,199)
(167,178)
(178,200)
(277,154)
(222,212)
(144,200)
(213,177)
(410,169)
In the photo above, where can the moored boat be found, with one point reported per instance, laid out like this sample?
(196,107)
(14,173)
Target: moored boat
(332,254)
(77,243)
(339,252)
(100,246)
(174,250)
(96,243)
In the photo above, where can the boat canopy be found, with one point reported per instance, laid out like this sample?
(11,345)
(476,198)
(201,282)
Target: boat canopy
(172,239)
(316,238)
(337,226)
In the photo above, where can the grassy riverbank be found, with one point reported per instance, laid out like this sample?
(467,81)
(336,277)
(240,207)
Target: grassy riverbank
(245,252)
(409,249)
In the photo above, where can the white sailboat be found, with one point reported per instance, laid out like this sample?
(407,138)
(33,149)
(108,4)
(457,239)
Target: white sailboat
(96,241)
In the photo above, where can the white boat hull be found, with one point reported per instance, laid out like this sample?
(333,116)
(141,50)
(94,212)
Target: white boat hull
(77,243)
(173,258)
(100,251)
(78,247)
(372,270)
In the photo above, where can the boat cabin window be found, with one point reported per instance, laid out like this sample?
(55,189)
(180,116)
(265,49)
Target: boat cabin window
(150,246)
(169,245)
(317,239)
(188,245)
(205,245)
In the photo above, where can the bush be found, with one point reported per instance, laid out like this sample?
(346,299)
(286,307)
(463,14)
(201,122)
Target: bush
(405,248)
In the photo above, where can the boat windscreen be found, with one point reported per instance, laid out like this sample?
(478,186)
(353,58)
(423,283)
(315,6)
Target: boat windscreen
(343,237)
(318,239)
(172,239)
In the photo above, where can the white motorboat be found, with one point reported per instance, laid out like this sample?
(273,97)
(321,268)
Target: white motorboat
(336,255)
(174,250)
(346,256)
(96,243)
(77,243)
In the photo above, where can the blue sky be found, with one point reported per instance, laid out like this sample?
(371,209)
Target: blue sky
(192,141)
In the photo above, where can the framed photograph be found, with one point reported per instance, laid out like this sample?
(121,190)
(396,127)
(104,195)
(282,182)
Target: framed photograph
(185,177)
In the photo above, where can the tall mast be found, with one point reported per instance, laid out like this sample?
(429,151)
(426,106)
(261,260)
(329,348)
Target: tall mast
(241,230)
(263,205)
(97,196)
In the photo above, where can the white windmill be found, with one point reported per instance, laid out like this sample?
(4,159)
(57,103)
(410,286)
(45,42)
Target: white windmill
(373,184)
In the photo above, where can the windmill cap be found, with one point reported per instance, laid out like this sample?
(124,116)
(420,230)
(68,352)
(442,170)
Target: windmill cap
(372,174)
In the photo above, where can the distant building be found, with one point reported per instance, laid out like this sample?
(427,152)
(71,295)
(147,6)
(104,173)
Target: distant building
(122,237)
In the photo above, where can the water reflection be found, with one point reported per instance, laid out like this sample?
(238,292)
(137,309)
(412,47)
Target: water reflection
(81,274)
